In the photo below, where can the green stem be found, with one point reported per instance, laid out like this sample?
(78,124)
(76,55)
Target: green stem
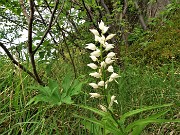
(119,126)
(105,92)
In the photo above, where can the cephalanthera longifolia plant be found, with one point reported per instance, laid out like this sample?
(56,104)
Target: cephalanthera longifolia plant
(103,58)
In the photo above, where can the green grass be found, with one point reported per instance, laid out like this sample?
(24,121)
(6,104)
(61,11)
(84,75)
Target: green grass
(137,87)
(142,83)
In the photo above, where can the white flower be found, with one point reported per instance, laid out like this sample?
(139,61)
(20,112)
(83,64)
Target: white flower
(108,60)
(103,108)
(113,76)
(95,74)
(110,55)
(103,64)
(101,83)
(110,69)
(94,95)
(112,100)
(102,39)
(110,79)
(106,86)
(109,46)
(95,32)
(110,36)
(93,58)
(97,38)
(96,53)
(94,85)
(91,46)
(92,65)
(115,101)
(103,27)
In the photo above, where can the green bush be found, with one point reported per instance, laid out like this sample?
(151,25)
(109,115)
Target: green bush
(161,45)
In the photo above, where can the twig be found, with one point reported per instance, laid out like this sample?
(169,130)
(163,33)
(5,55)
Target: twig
(44,23)
(90,15)
(60,10)
(16,62)
(72,61)
(105,6)
(48,28)
(15,22)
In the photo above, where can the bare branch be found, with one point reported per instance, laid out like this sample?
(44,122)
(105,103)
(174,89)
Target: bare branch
(48,28)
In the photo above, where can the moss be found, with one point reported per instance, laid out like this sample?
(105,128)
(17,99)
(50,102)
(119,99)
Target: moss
(163,43)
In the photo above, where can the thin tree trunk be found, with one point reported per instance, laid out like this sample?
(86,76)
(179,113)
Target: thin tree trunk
(141,18)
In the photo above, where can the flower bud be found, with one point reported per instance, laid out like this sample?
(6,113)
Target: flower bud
(103,27)
(95,32)
(101,83)
(92,65)
(103,108)
(95,74)
(108,60)
(110,69)
(102,40)
(112,100)
(114,76)
(96,53)
(110,36)
(93,58)
(111,55)
(97,38)
(103,64)
(109,46)
(94,85)
(94,95)
(91,46)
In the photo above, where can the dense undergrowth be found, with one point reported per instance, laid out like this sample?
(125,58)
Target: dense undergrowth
(149,77)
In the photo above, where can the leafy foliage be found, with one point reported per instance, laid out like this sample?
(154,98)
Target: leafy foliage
(52,94)
(108,125)
(148,63)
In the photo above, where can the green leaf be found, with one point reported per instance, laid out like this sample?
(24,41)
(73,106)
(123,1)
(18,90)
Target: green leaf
(48,94)
(67,100)
(76,87)
(54,87)
(133,112)
(37,99)
(44,90)
(97,111)
(66,83)
(41,54)
(95,129)
(138,129)
(113,130)
(147,121)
